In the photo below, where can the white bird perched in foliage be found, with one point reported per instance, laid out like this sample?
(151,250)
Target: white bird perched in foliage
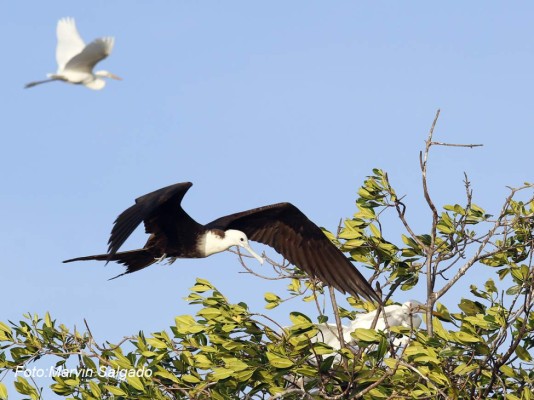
(75,60)
(396,315)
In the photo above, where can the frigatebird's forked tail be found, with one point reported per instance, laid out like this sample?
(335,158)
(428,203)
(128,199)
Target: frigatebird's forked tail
(133,260)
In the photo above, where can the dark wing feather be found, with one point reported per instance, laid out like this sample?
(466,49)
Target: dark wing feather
(148,207)
(285,228)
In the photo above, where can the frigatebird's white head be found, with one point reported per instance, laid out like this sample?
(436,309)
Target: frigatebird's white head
(238,238)
(215,243)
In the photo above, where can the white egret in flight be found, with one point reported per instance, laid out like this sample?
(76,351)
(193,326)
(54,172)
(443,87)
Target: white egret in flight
(75,60)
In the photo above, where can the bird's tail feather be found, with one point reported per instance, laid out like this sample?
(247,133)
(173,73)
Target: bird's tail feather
(134,260)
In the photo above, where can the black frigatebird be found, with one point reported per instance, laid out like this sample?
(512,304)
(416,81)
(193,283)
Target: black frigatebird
(282,226)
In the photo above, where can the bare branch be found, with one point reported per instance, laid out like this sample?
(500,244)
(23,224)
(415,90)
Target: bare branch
(455,145)
(479,253)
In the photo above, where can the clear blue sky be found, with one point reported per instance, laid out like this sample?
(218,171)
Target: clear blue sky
(254,103)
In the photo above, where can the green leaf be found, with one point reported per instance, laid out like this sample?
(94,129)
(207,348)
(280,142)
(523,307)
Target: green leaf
(471,307)
(135,382)
(204,282)
(508,371)
(518,273)
(158,344)
(294,286)
(511,396)
(427,359)
(48,320)
(23,386)
(190,378)
(365,213)
(89,364)
(244,376)
(167,375)
(201,361)
(366,335)
(440,330)
(270,306)
(72,382)
(278,361)
(353,243)
(490,286)
(445,224)
(115,390)
(512,291)
(210,313)
(466,337)
(271,297)
(187,324)
(479,321)
(298,318)
(458,209)
(184,320)
(95,389)
(200,288)
(3,391)
(221,373)
(523,354)
(5,328)
(234,364)
(437,375)
(464,369)
(442,312)
(375,231)
(321,348)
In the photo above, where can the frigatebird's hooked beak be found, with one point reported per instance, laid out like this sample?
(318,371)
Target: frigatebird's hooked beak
(247,247)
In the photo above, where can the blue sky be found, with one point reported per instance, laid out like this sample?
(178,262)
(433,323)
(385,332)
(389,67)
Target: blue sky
(255,104)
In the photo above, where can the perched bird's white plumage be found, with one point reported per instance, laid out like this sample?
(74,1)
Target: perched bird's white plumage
(396,315)
(76,61)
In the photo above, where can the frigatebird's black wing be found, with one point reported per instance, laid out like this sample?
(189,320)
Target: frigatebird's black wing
(160,210)
(285,228)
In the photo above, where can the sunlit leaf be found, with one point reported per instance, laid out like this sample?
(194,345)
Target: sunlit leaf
(366,335)
(3,391)
(156,343)
(523,354)
(135,382)
(115,390)
(508,371)
(190,379)
(471,307)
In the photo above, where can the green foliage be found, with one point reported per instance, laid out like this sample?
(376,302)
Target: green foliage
(480,348)
(225,351)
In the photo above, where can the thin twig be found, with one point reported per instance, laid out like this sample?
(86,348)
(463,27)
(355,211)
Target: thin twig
(455,145)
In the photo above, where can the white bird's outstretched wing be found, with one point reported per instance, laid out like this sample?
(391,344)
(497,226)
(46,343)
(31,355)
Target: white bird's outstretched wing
(69,42)
(94,52)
